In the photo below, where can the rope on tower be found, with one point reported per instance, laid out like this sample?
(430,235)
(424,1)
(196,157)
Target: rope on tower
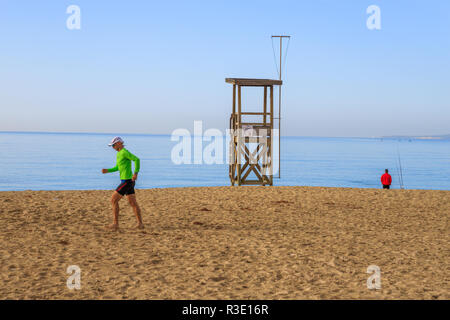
(284,58)
(275,59)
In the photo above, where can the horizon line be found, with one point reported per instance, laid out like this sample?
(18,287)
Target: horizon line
(286,136)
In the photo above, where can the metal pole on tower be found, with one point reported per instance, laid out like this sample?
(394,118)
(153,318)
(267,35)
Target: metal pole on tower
(279,101)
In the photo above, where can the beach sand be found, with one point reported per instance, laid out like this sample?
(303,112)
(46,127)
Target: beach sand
(227,243)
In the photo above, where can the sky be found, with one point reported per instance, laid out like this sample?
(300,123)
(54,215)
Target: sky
(156,66)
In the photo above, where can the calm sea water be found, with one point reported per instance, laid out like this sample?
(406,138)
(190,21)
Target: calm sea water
(73,161)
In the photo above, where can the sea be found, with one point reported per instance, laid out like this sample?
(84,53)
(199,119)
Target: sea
(73,161)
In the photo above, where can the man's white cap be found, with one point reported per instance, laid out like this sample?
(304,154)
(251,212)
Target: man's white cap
(115,140)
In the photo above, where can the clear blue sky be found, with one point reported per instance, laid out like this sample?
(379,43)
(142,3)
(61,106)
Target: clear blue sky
(154,66)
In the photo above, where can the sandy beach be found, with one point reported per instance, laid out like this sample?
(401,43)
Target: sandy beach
(227,243)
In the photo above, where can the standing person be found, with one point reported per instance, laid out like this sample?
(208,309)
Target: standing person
(386,179)
(126,187)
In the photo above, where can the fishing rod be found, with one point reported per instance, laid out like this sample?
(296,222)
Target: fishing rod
(398,174)
(400,166)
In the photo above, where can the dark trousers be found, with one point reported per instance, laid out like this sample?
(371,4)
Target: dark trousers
(386,186)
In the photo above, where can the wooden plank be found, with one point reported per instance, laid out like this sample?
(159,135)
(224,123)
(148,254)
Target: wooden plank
(255,139)
(271,107)
(247,159)
(265,105)
(239,105)
(234,99)
(257,126)
(239,174)
(255,113)
(252,168)
(269,140)
(253,123)
(247,156)
(238,149)
(248,82)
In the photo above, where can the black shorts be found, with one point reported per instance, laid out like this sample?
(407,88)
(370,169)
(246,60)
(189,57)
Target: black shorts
(126,187)
(385,186)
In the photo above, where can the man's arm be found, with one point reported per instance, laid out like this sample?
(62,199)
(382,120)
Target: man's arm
(137,163)
(114,169)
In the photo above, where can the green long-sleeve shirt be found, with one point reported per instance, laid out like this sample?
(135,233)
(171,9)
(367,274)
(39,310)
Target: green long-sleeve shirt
(124,158)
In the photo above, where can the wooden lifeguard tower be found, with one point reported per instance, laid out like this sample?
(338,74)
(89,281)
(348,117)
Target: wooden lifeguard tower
(244,160)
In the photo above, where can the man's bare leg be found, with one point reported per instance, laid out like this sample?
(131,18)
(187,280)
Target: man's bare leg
(115,208)
(137,211)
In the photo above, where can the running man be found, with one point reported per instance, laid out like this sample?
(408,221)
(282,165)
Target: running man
(124,158)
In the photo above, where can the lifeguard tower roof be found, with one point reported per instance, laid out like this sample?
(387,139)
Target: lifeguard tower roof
(245,82)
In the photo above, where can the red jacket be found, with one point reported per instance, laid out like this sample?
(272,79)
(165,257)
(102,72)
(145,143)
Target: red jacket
(386,179)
